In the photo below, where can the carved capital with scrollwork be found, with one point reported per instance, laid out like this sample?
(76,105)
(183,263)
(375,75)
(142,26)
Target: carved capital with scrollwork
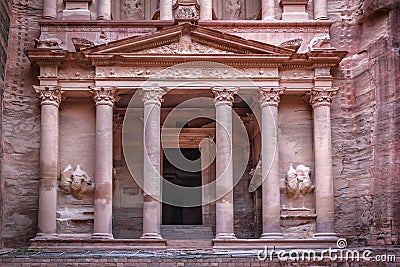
(322,96)
(224,95)
(49,95)
(152,95)
(103,95)
(271,96)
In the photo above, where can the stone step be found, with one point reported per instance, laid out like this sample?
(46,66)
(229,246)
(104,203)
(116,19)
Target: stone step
(189,244)
(186,232)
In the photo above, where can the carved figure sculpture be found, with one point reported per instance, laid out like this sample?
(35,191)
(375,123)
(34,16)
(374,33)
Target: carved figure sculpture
(77,182)
(298,181)
(319,41)
(49,43)
(133,9)
(234,8)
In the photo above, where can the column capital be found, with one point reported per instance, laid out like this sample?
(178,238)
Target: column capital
(224,95)
(49,95)
(271,96)
(104,95)
(322,96)
(152,95)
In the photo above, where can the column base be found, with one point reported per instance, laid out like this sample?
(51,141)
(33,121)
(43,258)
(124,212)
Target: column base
(102,236)
(44,236)
(151,236)
(271,236)
(225,236)
(328,236)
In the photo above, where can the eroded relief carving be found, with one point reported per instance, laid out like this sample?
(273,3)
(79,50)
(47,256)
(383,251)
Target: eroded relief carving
(185,46)
(187,13)
(77,182)
(49,43)
(298,181)
(81,43)
(234,9)
(320,42)
(133,9)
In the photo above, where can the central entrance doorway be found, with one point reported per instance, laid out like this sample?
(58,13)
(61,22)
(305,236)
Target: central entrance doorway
(177,215)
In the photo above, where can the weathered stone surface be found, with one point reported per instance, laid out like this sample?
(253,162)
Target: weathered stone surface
(366,123)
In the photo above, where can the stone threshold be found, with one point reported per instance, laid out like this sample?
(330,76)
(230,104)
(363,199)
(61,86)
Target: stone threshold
(87,244)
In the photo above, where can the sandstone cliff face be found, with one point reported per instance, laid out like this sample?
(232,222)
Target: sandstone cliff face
(20,129)
(366,121)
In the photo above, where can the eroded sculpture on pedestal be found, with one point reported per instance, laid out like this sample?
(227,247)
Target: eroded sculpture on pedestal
(298,181)
(77,182)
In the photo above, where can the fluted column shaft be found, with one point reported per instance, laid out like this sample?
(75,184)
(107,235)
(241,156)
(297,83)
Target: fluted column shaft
(104,10)
(206,9)
(50,97)
(166,10)
(104,99)
(320,100)
(49,9)
(271,199)
(224,97)
(320,9)
(152,99)
(268,9)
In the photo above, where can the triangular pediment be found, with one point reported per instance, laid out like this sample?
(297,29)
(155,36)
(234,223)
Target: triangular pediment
(187,39)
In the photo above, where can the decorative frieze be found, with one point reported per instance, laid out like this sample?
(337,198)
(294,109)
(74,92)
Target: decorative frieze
(224,95)
(152,95)
(322,96)
(103,95)
(271,96)
(49,95)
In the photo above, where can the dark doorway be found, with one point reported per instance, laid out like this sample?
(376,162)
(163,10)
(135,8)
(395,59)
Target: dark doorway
(175,215)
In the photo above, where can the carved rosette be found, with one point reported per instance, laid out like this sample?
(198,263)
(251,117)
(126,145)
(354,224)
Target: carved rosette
(271,96)
(322,96)
(103,95)
(224,95)
(49,95)
(152,96)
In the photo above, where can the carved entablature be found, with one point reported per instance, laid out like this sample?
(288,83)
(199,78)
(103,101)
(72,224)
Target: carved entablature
(49,95)
(224,95)
(322,96)
(152,95)
(271,96)
(103,95)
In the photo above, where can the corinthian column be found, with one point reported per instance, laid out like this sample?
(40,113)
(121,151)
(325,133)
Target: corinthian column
(50,97)
(165,9)
(206,9)
(271,198)
(268,9)
(104,99)
(320,9)
(152,98)
(104,10)
(321,98)
(224,97)
(49,9)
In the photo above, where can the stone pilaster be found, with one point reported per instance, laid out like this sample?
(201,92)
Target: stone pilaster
(50,97)
(224,97)
(268,9)
(152,98)
(320,9)
(271,199)
(320,100)
(206,9)
(166,10)
(49,9)
(104,10)
(104,98)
